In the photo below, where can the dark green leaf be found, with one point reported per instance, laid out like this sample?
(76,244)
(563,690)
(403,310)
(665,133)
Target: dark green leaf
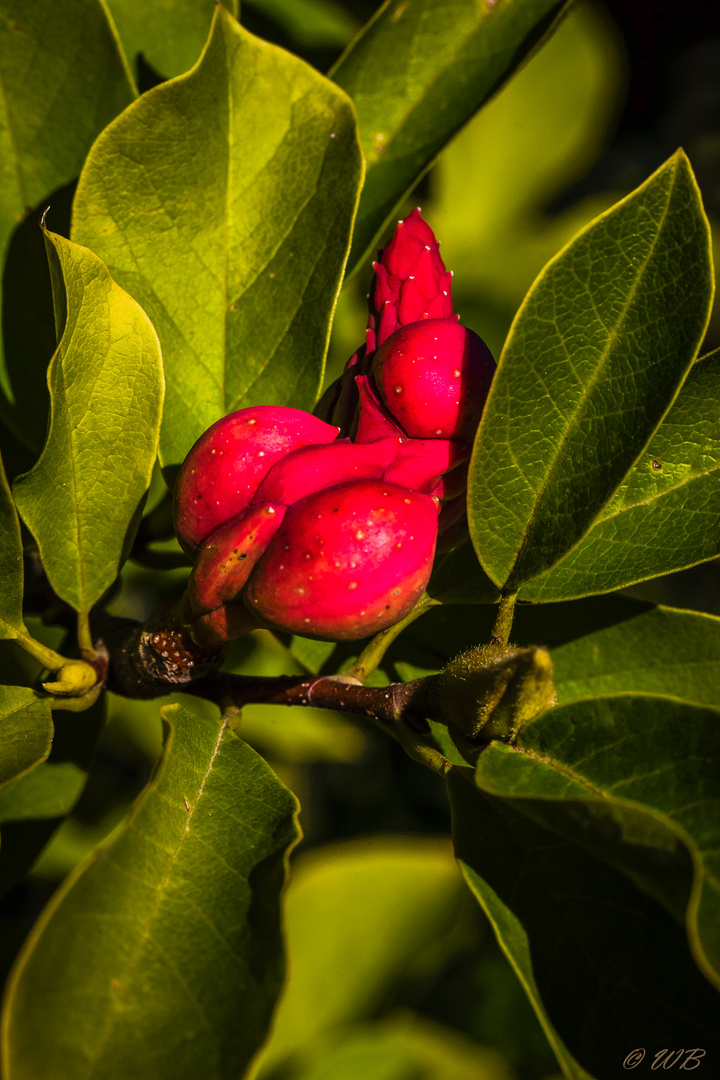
(25,731)
(649,765)
(223,201)
(62,79)
(458,578)
(162,955)
(11,565)
(655,651)
(595,357)
(48,791)
(34,804)
(82,497)
(170,34)
(417,73)
(666,515)
(605,967)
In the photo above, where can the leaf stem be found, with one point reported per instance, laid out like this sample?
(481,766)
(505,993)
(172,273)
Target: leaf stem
(503,623)
(373,653)
(85,641)
(47,657)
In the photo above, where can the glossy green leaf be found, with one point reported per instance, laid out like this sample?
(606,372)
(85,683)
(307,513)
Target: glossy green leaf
(666,515)
(605,967)
(361,918)
(416,74)
(655,651)
(62,79)
(223,201)
(650,765)
(169,34)
(11,564)
(25,731)
(82,498)
(162,955)
(594,359)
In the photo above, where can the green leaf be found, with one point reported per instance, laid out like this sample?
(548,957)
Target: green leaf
(33,804)
(62,79)
(458,578)
(170,34)
(403,1047)
(595,357)
(665,516)
(604,966)
(362,918)
(416,74)
(11,564)
(48,791)
(223,201)
(650,765)
(523,150)
(656,651)
(162,954)
(318,23)
(82,498)
(26,731)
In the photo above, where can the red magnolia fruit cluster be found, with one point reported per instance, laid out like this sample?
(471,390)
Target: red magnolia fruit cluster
(328,527)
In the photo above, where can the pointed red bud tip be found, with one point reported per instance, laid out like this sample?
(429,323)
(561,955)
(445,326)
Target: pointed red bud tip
(346,562)
(222,472)
(434,377)
(411,282)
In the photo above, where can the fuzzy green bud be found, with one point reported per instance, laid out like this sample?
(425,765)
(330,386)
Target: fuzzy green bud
(493,692)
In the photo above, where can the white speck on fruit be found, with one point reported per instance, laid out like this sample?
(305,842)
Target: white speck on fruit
(398,389)
(352,585)
(359,535)
(261,453)
(251,421)
(456,373)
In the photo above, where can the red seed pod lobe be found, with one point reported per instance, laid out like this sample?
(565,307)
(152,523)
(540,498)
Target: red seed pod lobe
(434,377)
(226,465)
(346,562)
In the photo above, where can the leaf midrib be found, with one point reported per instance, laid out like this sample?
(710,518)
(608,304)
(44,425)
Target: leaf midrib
(575,419)
(160,890)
